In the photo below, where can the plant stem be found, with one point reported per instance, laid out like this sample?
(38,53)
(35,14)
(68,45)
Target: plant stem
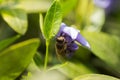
(46,56)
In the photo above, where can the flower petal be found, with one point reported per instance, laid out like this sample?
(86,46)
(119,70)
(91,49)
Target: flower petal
(73,47)
(61,29)
(102,3)
(72,32)
(68,38)
(82,40)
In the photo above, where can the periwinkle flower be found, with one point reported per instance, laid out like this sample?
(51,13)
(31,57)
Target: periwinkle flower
(70,35)
(102,3)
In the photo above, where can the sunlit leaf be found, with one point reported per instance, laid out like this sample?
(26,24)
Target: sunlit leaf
(16,18)
(75,69)
(82,9)
(65,8)
(57,66)
(41,75)
(6,2)
(16,58)
(95,77)
(7,42)
(52,20)
(33,6)
(35,73)
(41,22)
(83,12)
(106,47)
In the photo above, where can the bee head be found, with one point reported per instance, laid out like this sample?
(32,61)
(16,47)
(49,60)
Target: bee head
(60,39)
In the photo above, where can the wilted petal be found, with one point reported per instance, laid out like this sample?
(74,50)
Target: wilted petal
(82,40)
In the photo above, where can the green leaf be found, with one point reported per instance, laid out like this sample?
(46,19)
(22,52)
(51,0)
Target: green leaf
(38,59)
(106,47)
(37,74)
(81,10)
(84,10)
(95,77)
(33,6)
(32,68)
(75,69)
(41,22)
(16,58)
(57,66)
(16,18)
(65,8)
(52,20)
(5,43)
(6,3)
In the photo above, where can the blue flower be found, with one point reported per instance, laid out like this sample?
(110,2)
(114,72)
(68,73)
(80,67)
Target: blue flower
(71,35)
(102,3)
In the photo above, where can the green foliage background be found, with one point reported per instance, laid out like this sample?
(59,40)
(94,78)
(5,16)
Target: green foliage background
(27,39)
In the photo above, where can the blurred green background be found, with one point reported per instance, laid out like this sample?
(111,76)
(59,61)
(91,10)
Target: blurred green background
(22,44)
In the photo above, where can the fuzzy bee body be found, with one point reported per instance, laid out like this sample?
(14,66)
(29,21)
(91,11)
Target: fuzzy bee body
(61,46)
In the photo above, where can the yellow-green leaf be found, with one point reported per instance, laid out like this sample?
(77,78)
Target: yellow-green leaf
(52,20)
(106,47)
(95,77)
(5,43)
(16,19)
(75,69)
(16,58)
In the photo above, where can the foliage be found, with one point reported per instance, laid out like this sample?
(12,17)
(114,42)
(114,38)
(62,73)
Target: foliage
(95,77)
(28,30)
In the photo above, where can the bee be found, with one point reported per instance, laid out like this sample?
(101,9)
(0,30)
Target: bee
(61,48)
